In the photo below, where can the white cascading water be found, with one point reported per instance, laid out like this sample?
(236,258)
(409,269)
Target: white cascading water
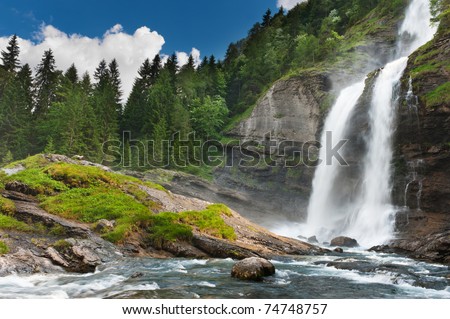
(325,216)
(368,217)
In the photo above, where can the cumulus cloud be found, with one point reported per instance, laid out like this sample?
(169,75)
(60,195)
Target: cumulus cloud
(289,4)
(183,57)
(130,50)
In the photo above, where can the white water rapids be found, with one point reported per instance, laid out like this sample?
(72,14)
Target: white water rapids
(367,216)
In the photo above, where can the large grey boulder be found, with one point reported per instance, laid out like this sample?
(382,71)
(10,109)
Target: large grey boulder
(343,241)
(253,268)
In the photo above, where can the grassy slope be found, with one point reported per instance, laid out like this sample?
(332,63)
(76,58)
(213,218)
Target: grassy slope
(432,63)
(89,194)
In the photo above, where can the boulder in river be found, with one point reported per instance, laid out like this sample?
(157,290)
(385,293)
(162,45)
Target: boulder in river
(313,240)
(344,242)
(253,268)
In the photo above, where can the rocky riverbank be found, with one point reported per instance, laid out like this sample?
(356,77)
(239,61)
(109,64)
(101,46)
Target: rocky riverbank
(42,233)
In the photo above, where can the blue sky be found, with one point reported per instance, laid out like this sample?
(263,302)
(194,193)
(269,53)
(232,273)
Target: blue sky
(84,32)
(205,24)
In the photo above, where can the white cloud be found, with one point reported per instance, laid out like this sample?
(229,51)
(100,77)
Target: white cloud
(183,57)
(130,50)
(289,4)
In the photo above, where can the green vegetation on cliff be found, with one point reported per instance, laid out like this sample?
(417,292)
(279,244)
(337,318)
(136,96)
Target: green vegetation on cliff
(4,249)
(430,65)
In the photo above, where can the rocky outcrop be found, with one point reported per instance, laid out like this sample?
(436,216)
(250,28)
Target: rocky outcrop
(252,269)
(432,247)
(51,242)
(344,242)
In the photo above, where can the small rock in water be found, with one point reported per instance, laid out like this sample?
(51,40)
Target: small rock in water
(339,250)
(326,243)
(253,268)
(313,240)
(344,242)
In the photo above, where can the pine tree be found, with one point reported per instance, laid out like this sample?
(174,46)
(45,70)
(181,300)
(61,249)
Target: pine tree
(45,84)
(136,105)
(155,69)
(15,118)
(10,57)
(72,122)
(105,104)
(267,18)
(115,81)
(86,84)
(8,158)
(172,67)
(101,75)
(25,78)
(72,74)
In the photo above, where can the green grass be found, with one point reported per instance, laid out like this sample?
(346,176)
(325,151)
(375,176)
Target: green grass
(89,194)
(178,226)
(89,205)
(4,249)
(38,181)
(166,227)
(10,223)
(7,206)
(439,96)
(62,244)
(35,161)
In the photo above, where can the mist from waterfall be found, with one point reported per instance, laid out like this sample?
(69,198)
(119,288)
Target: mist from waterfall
(368,215)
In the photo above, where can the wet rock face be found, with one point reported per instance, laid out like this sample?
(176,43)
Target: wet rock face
(422,155)
(252,269)
(21,188)
(289,111)
(344,242)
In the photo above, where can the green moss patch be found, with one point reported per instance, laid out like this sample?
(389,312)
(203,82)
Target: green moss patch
(439,96)
(4,249)
(37,181)
(10,223)
(7,206)
(89,194)
(35,161)
(179,226)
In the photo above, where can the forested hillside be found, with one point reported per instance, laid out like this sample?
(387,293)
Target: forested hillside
(50,110)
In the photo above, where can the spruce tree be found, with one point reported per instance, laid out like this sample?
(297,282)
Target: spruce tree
(105,104)
(155,69)
(133,119)
(115,81)
(45,84)
(172,68)
(10,57)
(72,74)
(267,18)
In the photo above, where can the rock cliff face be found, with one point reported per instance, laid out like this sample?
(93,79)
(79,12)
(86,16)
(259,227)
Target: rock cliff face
(422,151)
(286,121)
(290,110)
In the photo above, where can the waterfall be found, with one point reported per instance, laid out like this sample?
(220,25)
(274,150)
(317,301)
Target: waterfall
(367,216)
(324,211)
